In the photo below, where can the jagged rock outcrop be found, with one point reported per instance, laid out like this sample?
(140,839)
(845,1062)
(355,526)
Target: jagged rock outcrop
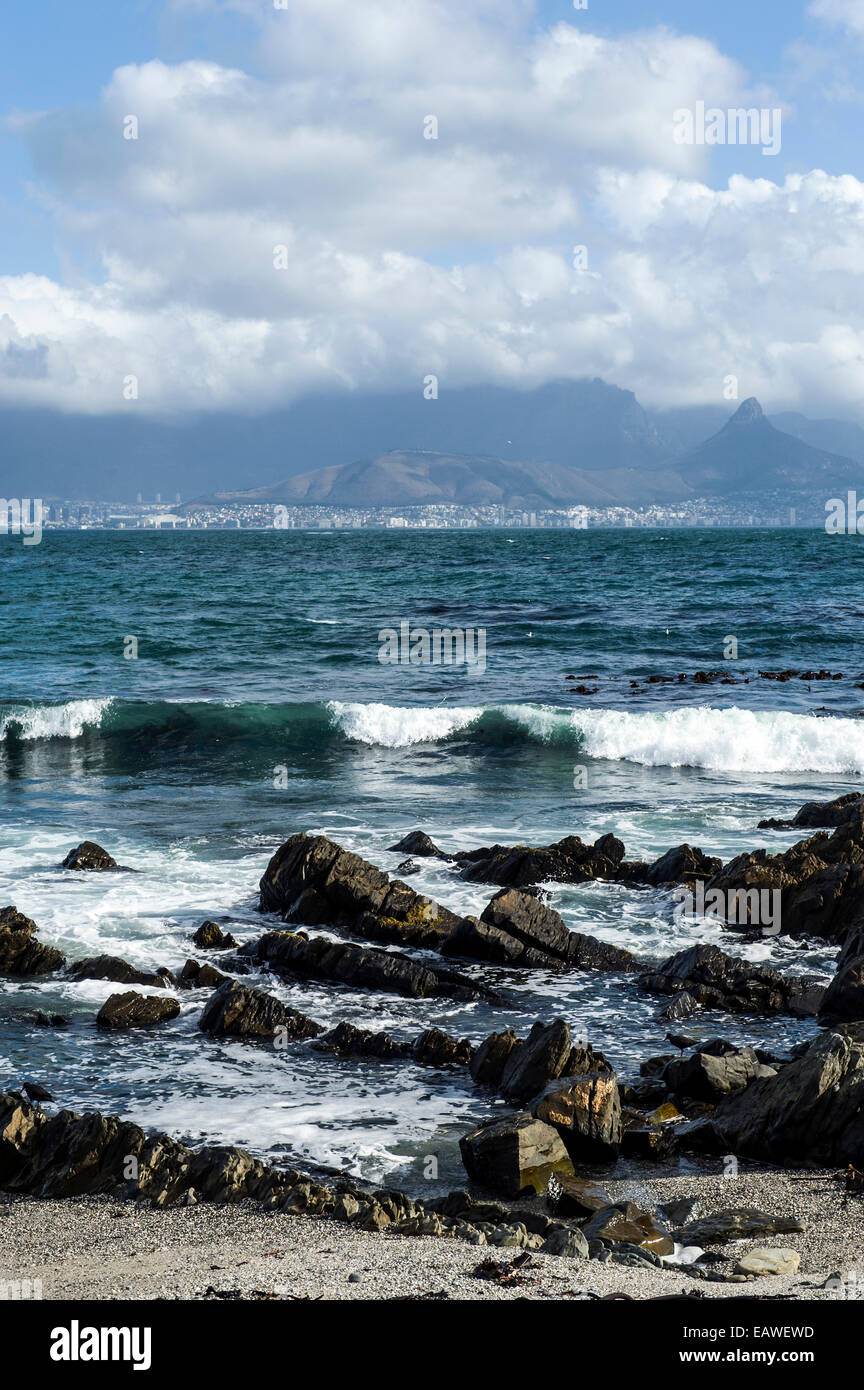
(516,928)
(20,953)
(586,1112)
(313,882)
(296,956)
(714,980)
(133,1010)
(568,861)
(236,1011)
(820,879)
(812,1110)
(819,815)
(89,856)
(682,864)
(194,975)
(118,971)
(432,1048)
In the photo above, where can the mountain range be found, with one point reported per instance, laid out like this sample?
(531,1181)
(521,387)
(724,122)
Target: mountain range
(585,439)
(747,454)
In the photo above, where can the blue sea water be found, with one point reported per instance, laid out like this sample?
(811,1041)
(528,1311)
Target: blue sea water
(257,706)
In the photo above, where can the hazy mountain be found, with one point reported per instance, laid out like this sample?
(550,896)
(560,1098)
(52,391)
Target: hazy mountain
(413,477)
(748,454)
(837,436)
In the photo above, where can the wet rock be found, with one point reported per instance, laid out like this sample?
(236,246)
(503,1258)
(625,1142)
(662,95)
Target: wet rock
(296,956)
(419,844)
(20,953)
(743,1223)
(133,1010)
(347,1041)
(433,1048)
(407,867)
(111,968)
(238,1012)
(314,882)
(680,865)
(568,861)
(764,1262)
(586,1112)
(654,1143)
(517,928)
(819,815)
(682,1006)
(844,997)
(707,1077)
(194,975)
(718,981)
(50,1020)
(89,856)
(541,1057)
(813,1109)
(491,1056)
(514,1154)
(626,1223)
(210,937)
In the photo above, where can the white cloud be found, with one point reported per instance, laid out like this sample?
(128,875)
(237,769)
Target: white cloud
(406,256)
(847,13)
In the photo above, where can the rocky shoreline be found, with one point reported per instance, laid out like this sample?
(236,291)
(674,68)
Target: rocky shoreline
(541,1172)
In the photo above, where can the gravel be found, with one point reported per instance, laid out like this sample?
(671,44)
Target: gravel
(101,1248)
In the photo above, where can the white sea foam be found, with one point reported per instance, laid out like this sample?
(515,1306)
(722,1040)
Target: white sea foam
(716,739)
(68,720)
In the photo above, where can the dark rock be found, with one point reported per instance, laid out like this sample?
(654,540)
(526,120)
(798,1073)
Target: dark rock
(541,1057)
(812,1110)
(239,1012)
(210,937)
(844,997)
(586,1112)
(295,956)
(566,1240)
(136,1010)
(20,953)
(577,1197)
(568,861)
(194,975)
(514,1154)
(89,856)
(490,1058)
(436,1049)
(717,981)
(111,968)
(517,928)
(314,882)
(407,867)
(683,1006)
(745,1223)
(655,1143)
(707,1077)
(625,1223)
(819,815)
(419,843)
(680,865)
(347,1041)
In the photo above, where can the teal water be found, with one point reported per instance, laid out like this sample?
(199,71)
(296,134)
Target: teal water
(257,707)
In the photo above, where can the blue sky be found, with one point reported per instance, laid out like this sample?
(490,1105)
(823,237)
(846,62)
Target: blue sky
(302,129)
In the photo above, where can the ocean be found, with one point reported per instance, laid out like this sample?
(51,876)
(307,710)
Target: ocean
(257,706)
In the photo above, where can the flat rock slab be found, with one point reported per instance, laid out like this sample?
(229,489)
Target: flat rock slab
(763,1261)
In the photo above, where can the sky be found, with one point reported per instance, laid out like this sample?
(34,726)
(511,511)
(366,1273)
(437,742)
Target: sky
(281,224)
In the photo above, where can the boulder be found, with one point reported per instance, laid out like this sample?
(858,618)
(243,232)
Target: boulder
(625,1223)
(743,1223)
(490,1057)
(89,856)
(541,1057)
(513,1155)
(844,997)
(194,975)
(714,980)
(708,1077)
(817,815)
(347,1041)
(812,1110)
(210,937)
(236,1011)
(20,953)
(133,1010)
(681,865)
(296,956)
(516,928)
(566,1240)
(418,843)
(436,1049)
(579,1197)
(112,968)
(762,1261)
(586,1112)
